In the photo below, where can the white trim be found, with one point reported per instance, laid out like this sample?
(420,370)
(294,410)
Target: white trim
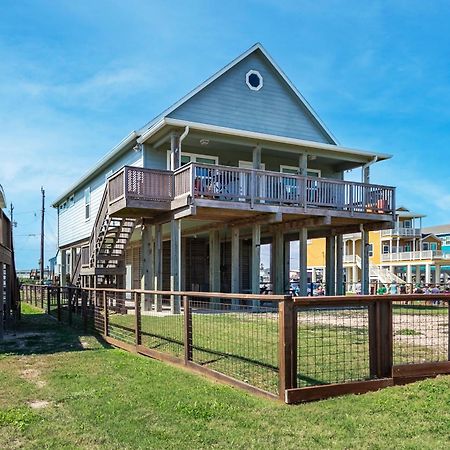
(247,80)
(319,172)
(242,161)
(233,63)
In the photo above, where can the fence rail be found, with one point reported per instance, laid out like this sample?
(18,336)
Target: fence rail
(294,348)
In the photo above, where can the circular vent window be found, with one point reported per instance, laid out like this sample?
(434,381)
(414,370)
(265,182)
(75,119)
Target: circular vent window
(254,80)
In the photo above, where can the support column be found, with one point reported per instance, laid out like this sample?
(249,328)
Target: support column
(303,164)
(214,261)
(427,273)
(287,266)
(418,276)
(330,261)
(158,255)
(303,262)
(437,274)
(313,275)
(62,280)
(409,274)
(256,160)
(340,290)
(147,265)
(175,264)
(277,262)
(256,261)
(354,276)
(175,156)
(365,262)
(235,266)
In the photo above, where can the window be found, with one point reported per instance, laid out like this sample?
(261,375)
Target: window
(425,246)
(407,224)
(433,246)
(87,203)
(71,200)
(254,80)
(294,170)
(186,158)
(446,240)
(385,249)
(370,250)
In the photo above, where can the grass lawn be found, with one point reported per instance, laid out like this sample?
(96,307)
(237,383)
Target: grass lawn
(63,390)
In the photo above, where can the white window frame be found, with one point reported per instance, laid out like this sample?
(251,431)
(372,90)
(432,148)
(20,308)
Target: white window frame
(247,80)
(283,166)
(87,204)
(370,250)
(193,157)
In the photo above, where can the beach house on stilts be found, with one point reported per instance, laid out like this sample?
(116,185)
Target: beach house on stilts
(185,202)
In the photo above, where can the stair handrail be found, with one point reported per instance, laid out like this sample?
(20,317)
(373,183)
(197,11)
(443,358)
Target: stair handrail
(101,215)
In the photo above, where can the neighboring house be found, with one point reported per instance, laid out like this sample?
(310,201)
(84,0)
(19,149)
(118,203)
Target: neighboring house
(186,201)
(8,284)
(443,233)
(406,253)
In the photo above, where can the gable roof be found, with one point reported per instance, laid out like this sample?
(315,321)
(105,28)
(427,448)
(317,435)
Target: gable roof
(255,48)
(438,229)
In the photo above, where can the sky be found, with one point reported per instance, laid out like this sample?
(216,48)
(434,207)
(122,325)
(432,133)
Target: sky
(77,76)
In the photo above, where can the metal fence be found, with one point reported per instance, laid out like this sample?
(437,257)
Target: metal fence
(296,349)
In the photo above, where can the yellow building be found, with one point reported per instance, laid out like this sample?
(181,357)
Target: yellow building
(398,255)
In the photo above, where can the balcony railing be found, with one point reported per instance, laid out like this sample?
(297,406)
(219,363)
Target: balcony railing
(266,187)
(401,231)
(349,259)
(413,256)
(233,184)
(141,184)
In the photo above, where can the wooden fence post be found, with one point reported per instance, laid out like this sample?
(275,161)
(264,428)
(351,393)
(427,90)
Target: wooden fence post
(42,288)
(84,310)
(380,339)
(287,351)
(58,304)
(49,290)
(69,304)
(35,295)
(137,322)
(105,314)
(187,329)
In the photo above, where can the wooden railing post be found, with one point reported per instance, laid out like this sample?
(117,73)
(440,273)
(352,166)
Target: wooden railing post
(287,352)
(105,315)
(58,304)
(380,339)
(42,288)
(187,329)
(137,323)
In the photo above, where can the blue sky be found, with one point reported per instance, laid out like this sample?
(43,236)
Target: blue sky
(77,76)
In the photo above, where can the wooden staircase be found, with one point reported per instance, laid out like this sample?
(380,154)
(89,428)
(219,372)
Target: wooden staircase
(107,244)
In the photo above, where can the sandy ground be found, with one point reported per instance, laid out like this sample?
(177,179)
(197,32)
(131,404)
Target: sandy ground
(428,330)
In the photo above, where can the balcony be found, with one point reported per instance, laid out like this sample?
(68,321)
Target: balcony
(133,189)
(424,255)
(401,232)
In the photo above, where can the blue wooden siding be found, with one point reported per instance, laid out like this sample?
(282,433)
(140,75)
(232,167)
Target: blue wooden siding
(72,224)
(274,109)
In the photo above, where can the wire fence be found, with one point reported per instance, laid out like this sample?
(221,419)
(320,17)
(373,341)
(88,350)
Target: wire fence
(274,345)
(333,345)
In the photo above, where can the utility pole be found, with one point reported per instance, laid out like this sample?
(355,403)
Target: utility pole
(42,236)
